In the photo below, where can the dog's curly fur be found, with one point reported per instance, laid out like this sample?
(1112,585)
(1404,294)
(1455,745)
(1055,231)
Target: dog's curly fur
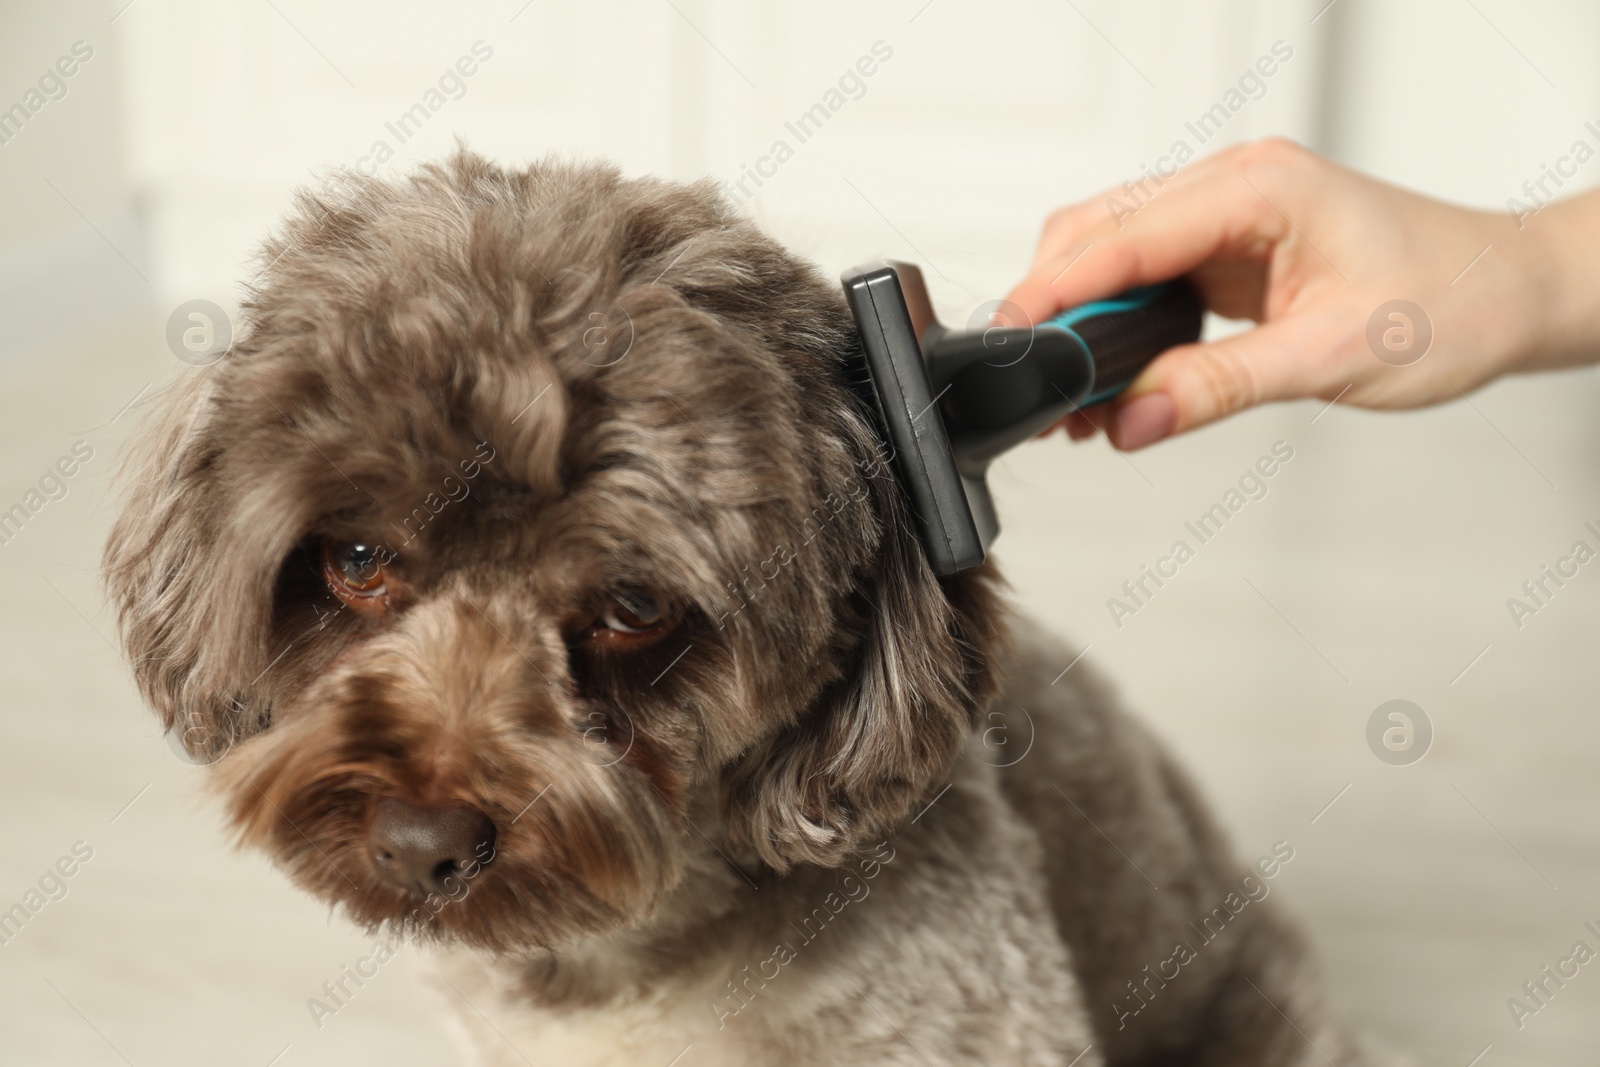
(636,389)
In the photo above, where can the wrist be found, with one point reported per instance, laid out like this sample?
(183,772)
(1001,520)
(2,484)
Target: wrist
(1561,264)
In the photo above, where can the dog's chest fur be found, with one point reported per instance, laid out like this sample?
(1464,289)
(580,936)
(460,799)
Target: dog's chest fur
(653,1029)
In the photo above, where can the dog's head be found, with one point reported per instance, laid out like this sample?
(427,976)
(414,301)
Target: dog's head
(529,532)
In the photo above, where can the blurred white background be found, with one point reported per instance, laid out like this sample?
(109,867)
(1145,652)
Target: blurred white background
(1378,567)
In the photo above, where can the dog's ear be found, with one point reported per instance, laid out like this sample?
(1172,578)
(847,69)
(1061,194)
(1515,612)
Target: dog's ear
(180,568)
(881,741)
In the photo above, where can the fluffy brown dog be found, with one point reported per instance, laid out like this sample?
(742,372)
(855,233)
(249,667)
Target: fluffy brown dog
(537,586)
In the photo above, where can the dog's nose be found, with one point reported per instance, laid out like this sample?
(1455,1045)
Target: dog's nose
(428,850)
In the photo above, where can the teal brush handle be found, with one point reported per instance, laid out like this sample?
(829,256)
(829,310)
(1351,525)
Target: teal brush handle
(1122,335)
(998,387)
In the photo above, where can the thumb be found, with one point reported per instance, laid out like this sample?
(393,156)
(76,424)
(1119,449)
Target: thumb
(1192,385)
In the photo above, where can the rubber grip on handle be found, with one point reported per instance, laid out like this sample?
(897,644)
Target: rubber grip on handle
(999,386)
(1124,333)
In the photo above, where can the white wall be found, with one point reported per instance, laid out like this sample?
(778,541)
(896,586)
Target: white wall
(206,115)
(1026,102)
(71,244)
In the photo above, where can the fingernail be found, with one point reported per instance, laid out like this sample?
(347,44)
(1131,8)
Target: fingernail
(1149,418)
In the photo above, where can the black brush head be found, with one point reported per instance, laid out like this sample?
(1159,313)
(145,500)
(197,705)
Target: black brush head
(949,401)
(892,313)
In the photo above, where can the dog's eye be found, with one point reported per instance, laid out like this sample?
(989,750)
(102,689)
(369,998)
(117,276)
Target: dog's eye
(356,572)
(356,567)
(632,615)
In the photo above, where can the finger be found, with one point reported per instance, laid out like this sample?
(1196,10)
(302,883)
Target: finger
(1080,425)
(1076,224)
(1193,385)
(1077,425)
(1067,226)
(1172,235)
(1035,299)
(1223,215)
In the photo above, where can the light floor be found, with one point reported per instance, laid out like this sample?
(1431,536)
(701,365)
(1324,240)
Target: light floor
(1377,567)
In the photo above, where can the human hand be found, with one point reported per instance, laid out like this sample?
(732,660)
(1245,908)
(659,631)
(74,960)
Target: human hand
(1311,251)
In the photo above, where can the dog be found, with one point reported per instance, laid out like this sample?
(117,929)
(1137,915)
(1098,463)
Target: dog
(538,589)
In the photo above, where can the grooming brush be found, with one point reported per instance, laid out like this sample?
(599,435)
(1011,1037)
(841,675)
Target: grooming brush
(949,401)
